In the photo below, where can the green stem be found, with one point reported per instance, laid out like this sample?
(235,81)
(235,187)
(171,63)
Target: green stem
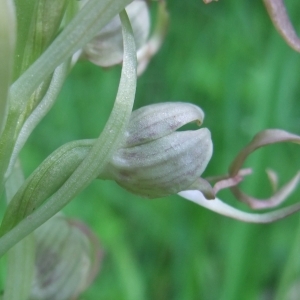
(100,154)
(20,259)
(40,111)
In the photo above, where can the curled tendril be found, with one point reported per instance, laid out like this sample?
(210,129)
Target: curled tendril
(227,181)
(280,18)
(264,138)
(236,174)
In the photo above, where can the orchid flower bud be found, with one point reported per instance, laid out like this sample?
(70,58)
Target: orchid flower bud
(155,160)
(106,49)
(68,257)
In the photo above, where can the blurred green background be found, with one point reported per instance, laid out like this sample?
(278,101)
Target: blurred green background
(227,58)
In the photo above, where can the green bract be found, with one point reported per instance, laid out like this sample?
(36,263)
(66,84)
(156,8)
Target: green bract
(38,24)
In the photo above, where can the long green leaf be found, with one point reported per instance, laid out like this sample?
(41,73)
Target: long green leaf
(39,112)
(38,22)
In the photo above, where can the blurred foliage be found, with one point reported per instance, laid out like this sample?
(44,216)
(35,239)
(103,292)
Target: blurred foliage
(227,58)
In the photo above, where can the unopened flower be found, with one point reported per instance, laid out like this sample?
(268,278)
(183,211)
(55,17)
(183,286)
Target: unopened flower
(68,257)
(155,160)
(106,49)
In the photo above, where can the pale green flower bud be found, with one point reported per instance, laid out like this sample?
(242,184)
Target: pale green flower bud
(106,48)
(67,259)
(155,160)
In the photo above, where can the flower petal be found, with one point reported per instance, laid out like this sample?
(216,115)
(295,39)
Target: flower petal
(154,121)
(222,208)
(282,22)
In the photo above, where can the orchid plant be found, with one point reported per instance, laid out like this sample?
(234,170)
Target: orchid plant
(143,151)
